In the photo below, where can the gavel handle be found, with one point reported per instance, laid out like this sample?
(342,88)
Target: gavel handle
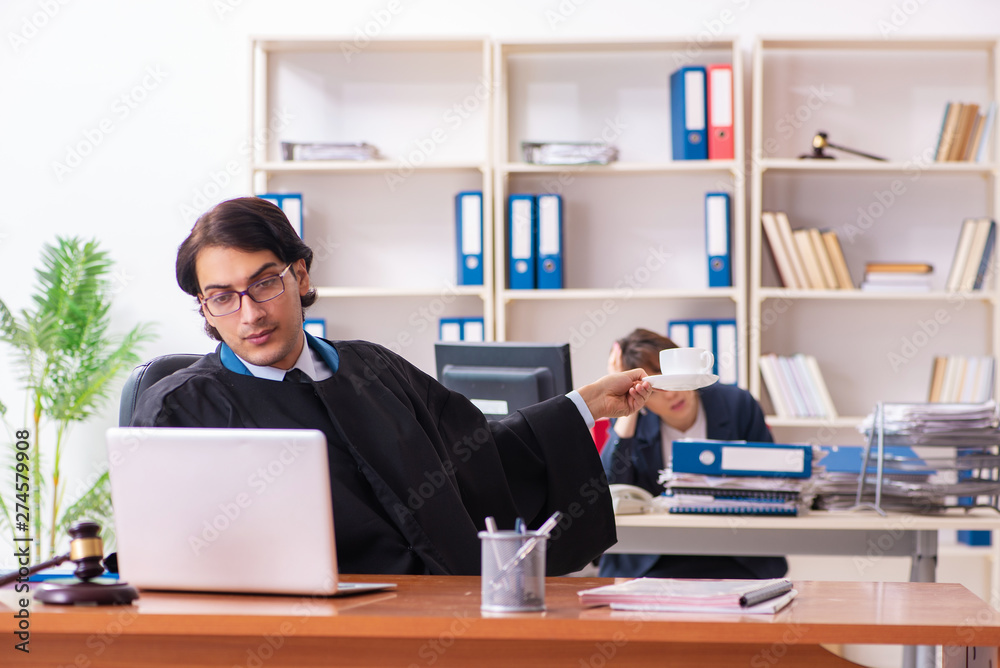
(54,561)
(851,150)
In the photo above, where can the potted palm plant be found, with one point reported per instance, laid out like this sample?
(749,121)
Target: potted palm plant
(67,361)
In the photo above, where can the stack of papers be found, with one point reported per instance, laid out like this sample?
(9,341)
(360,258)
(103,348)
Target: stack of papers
(568,153)
(692,493)
(328,151)
(673,595)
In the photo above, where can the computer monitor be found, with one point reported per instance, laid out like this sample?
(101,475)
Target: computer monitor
(499,378)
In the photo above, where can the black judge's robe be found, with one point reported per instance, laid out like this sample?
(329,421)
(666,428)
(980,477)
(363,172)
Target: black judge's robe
(415,468)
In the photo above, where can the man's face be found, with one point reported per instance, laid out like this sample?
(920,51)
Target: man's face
(268,334)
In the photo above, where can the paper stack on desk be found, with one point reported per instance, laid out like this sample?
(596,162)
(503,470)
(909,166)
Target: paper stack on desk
(674,595)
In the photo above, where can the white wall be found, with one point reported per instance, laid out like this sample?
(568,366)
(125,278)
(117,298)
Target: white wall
(158,91)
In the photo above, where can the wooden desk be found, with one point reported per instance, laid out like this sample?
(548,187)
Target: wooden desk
(436,621)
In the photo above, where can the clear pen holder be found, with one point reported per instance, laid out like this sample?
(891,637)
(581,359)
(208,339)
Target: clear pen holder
(513,571)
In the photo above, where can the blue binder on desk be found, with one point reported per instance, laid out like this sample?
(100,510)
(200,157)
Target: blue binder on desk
(741,458)
(469,237)
(523,229)
(717,245)
(688,115)
(550,242)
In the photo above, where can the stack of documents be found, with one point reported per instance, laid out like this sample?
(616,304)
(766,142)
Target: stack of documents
(958,465)
(568,153)
(672,595)
(692,493)
(328,151)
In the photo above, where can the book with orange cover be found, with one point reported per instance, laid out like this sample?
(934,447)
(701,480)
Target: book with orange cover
(937,379)
(907,267)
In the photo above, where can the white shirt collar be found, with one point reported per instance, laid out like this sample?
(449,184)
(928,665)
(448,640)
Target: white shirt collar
(308,363)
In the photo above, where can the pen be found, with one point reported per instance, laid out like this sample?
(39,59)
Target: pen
(491,527)
(519,556)
(765,593)
(519,526)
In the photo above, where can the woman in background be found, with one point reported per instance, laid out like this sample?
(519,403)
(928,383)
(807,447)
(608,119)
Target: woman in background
(638,448)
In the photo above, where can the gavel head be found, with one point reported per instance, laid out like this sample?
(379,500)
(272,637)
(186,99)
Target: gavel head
(86,549)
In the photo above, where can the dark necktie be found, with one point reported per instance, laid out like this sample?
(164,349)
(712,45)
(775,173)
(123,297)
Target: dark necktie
(295,376)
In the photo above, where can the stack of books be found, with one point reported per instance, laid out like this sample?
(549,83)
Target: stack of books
(796,387)
(961,379)
(568,153)
(970,266)
(808,258)
(897,277)
(965,133)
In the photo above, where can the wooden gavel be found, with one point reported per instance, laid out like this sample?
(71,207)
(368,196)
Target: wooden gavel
(86,549)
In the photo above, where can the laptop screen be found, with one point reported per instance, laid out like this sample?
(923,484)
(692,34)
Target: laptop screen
(229,510)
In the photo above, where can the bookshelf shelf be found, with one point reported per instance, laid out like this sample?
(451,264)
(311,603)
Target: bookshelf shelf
(362,167)
(911,167)
(870,346)
(617,294)
(692,166)
(862,295)
(375,292)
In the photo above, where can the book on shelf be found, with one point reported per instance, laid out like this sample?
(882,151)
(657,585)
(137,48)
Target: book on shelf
(836,253)
(966,131)
(796,386)
(898,277)
(976,267)
(961,379)
(806,258)
(807,252)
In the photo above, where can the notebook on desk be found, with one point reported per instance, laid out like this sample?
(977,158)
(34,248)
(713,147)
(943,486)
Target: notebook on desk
(225,510)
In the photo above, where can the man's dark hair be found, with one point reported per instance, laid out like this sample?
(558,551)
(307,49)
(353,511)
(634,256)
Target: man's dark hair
(249,224)
(641,348)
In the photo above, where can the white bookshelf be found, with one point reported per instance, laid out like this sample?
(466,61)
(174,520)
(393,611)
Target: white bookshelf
(885,97)
(383,231)
(620,220)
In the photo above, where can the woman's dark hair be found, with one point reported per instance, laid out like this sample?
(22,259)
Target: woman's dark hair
(249,224)
(641,349)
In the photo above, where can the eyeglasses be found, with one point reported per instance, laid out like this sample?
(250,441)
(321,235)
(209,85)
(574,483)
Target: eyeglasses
(264,290)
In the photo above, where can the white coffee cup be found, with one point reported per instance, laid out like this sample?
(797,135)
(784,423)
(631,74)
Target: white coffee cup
(686,361)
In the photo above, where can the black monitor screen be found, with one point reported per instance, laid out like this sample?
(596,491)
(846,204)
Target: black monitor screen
(499,378)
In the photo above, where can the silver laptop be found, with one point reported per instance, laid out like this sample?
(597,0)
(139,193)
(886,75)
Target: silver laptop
(225,510)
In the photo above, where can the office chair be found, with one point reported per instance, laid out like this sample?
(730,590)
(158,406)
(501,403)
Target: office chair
(144,375)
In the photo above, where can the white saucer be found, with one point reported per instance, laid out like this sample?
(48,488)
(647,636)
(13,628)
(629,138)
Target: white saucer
(682,382)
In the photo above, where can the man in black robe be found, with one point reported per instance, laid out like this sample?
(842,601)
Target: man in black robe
(415,468)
